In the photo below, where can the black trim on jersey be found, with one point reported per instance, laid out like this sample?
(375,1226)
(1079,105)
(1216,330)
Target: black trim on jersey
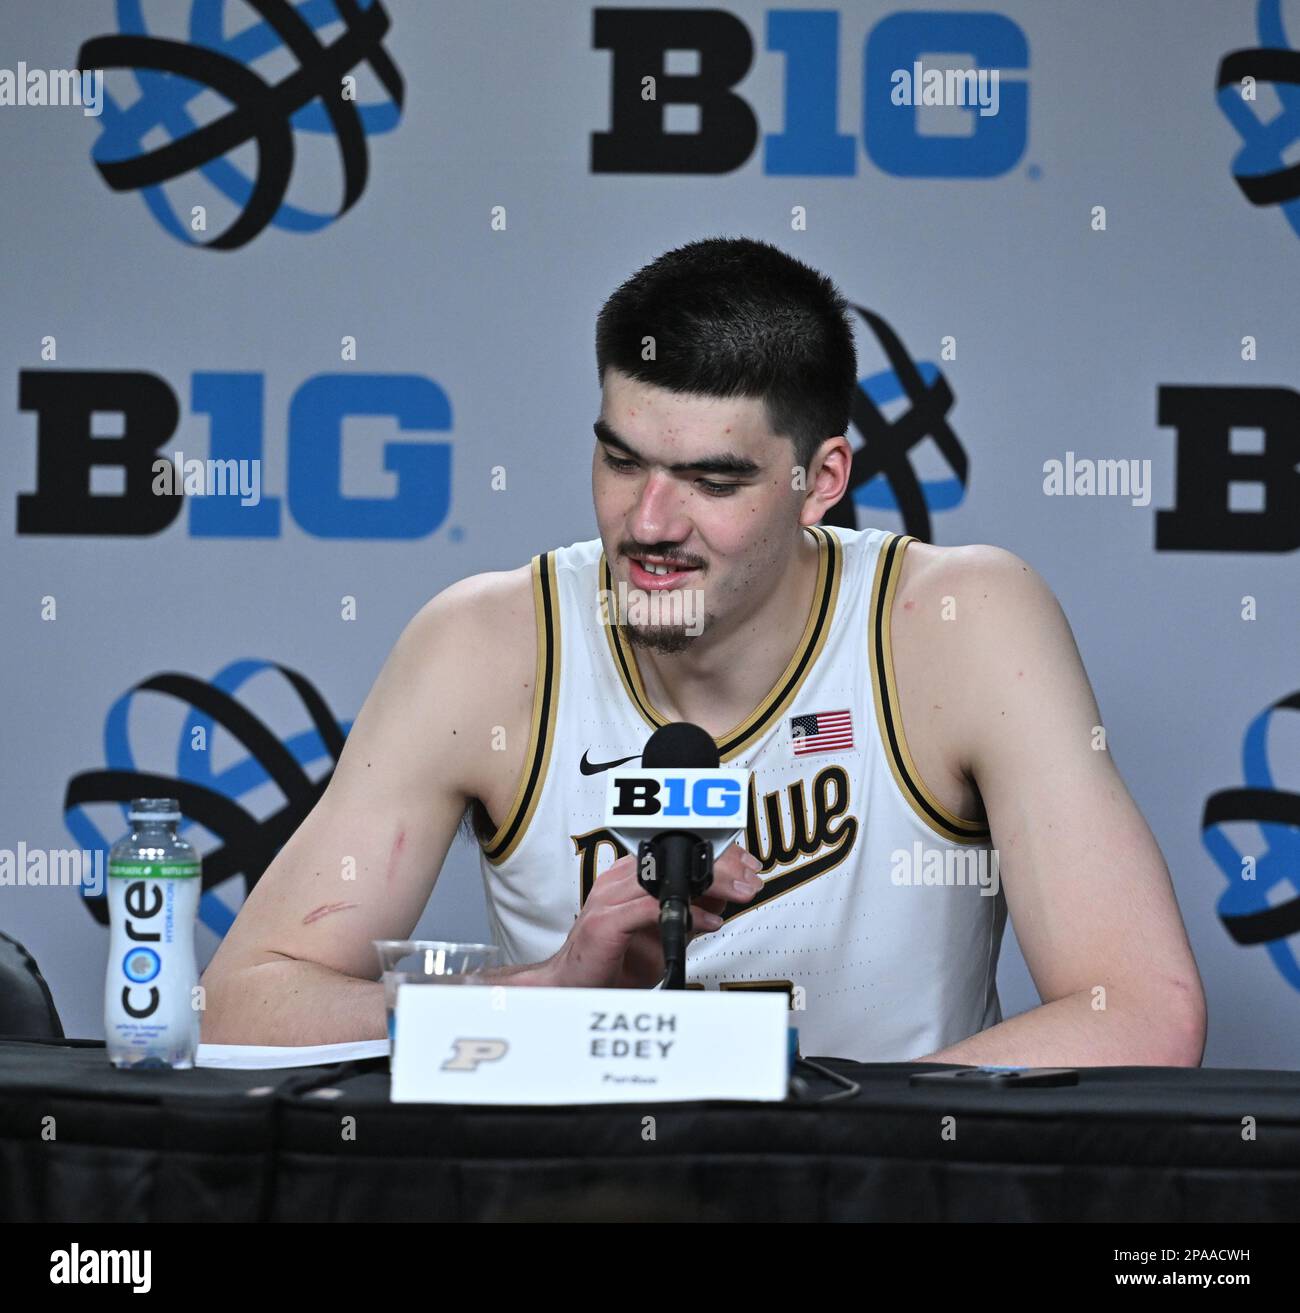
(546,598)
(943,822)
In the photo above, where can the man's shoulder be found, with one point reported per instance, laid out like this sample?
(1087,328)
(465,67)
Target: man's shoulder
(961,617)
(490,597)
(478,631)
(970,600)
(491,616)
(964,569)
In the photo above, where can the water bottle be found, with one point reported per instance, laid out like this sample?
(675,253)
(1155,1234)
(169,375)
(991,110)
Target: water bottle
(154,883)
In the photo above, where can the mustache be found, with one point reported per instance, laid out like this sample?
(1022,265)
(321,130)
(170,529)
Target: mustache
(670,557)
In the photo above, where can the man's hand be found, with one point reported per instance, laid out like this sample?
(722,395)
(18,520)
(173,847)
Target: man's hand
(614,943)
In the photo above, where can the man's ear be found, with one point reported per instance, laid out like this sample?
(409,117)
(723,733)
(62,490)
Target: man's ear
(826,479)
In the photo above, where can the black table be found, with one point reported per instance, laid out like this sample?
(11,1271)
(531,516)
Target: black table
(325,1144)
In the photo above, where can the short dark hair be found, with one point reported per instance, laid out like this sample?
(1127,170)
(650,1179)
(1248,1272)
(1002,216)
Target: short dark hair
(735,317)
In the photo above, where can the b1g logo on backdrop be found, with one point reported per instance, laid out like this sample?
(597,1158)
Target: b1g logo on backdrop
(895,409)
(1237,469)
(1261,905)
(318,98)
(665,118)
(215,801)
(66,403)
(1264,167)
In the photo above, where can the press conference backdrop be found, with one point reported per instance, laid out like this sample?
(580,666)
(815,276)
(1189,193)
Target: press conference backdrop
(380,302)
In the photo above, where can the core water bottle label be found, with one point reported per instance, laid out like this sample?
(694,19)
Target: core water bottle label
(150,1016)
(153,870)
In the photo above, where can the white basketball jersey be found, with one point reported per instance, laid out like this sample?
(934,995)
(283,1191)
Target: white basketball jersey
(872,917)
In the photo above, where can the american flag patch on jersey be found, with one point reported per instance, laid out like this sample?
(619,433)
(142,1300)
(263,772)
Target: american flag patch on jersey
(824,731)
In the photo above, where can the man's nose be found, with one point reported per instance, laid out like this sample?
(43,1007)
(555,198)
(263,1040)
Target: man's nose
(659,516)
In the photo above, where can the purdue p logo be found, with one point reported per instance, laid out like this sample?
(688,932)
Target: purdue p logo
(470,1052)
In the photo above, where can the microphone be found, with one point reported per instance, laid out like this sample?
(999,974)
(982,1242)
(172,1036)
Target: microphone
(680,798)
(680,745)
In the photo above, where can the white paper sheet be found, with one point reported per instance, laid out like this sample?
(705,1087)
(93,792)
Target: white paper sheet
(259,1057)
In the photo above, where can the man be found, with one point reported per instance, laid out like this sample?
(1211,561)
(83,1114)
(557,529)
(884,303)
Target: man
(904,708)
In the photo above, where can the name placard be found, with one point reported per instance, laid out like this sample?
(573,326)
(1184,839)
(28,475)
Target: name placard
(521,1045)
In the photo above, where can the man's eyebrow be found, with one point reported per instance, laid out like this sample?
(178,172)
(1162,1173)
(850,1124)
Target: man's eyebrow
(726,462)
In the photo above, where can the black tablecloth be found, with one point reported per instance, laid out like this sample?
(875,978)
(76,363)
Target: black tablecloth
(81,1141)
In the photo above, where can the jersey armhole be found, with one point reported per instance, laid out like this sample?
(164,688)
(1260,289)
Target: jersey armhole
(541,734)
(945,823)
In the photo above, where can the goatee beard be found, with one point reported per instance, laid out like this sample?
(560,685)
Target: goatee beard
(657,638)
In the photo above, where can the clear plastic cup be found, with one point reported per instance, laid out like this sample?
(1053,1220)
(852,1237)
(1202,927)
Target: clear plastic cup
(429,962)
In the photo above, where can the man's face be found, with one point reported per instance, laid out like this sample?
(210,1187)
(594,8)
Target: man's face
(699,485)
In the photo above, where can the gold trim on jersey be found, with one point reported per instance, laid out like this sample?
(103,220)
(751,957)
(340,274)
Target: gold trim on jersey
(541,735)
(825,592)
(947,824)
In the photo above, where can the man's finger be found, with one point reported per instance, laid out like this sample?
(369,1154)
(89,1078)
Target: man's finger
(710,902)
(736,877)
(736,860)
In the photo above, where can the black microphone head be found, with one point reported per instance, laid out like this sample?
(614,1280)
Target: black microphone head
(680,746)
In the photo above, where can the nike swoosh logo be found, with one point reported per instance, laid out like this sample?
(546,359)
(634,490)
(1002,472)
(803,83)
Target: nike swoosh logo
(595,767)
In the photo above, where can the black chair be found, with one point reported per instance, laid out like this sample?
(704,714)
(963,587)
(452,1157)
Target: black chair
(27,1008)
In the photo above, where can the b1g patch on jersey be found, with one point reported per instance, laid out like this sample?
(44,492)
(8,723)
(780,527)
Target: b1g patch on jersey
(822,731)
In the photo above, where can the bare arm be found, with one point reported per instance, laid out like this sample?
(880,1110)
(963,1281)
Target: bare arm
(298,966)
(1087,889)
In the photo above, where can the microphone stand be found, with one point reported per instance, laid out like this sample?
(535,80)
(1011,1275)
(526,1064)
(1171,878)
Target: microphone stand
(675,866)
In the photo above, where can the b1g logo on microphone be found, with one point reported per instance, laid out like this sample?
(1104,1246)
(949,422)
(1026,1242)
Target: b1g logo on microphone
(677,799)
(673,115)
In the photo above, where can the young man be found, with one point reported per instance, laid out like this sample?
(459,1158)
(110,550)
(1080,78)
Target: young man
(901,705)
